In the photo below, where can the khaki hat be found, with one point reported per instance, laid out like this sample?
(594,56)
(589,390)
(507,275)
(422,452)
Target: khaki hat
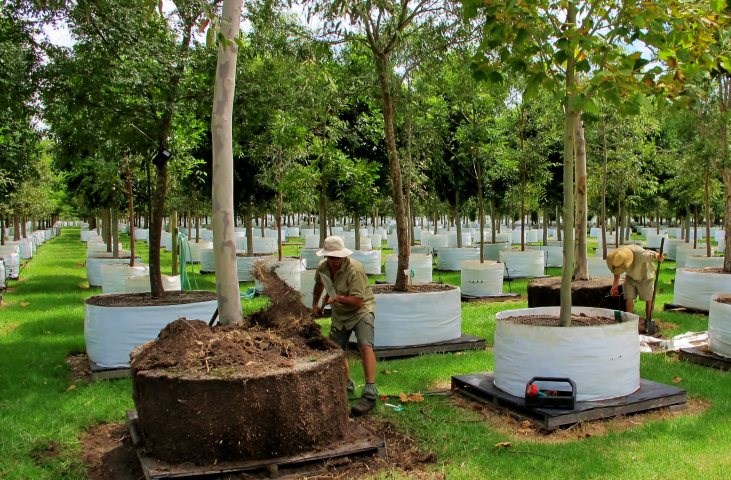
(620,259)
(333,247)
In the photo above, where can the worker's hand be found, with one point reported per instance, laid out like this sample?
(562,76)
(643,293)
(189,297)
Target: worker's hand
(614,291)
(316,311)
(331,300)
(660,257)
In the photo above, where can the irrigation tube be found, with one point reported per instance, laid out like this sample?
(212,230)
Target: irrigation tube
(186,260)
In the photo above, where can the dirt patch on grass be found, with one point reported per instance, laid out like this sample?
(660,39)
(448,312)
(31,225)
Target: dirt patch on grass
(520,428)
(109,455)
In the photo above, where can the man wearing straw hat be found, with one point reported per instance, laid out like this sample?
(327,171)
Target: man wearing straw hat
(353,306)
(638,266)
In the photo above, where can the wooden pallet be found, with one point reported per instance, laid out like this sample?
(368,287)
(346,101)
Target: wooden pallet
(501,297)
(465,342)
(702,356)
(101,373)
(360,442)
(650,396)
(679,308)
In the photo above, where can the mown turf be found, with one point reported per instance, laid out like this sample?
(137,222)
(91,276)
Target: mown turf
(43,413)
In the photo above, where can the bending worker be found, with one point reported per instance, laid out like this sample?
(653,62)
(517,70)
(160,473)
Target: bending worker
(638,265)
(353,306)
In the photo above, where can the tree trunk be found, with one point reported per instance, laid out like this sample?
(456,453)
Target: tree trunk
(249,225)
(559,230)
(224,241)
(581,271)
(568,177)
(323,216)
(384,80)
(115,233)
(130,207)
(604,192)
(174,240)
(16,227)
(279,225)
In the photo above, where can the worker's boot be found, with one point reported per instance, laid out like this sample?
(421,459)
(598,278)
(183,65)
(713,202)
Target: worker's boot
(351,387)
(366,402)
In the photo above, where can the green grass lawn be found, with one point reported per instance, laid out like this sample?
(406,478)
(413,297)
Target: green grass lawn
(43,414)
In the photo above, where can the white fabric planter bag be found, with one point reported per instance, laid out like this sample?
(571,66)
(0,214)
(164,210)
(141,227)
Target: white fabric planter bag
(451,258)
(553,254)
(123,228)
(376,240)
(166,240)
(603,361)
(311,260)
(515,236)
(530,263)
(721,247)
(265,245)
(312,240)
(274,234)
(245,264)
(208,260)
(197,248)
(290,271)
(466,239)
(482,279)
(392,241)
(2,274)
(111,333)
(695,289)
(85,235)
(307,284)
(240,239)
(451,239)
(114,276)
(438,241)
(653,240)
(611,239)
(336,230)
(94,247)
(371,260)
(532,236)
(501,237)
(419,264)
(12,265)
(141,283)
(207,234)
(417,234)
(293,231)
(719,236)
(365,244)
(94,267)
(719,327)
(492,251)
(598,252)
(142,234)
(686,250)
(418,318)
(595,232)
(701,261)
(425,249)
(597,267)
(670,250)
(27,248)
(40,237)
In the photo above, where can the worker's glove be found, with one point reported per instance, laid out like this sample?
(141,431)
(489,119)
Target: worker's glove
(370,391)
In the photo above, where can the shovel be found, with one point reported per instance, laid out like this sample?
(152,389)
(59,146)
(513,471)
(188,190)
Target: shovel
(649,323)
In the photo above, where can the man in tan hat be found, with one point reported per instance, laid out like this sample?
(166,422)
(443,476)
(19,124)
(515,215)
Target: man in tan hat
(638,266)
(353,310)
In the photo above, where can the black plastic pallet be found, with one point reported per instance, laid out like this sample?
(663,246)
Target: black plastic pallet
(650,396)
(702,356)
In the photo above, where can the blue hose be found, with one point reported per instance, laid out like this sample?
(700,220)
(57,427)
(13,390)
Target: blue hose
(185,260)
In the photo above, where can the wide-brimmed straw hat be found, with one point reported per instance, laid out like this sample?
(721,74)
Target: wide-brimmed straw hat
(333,247)
(620,259)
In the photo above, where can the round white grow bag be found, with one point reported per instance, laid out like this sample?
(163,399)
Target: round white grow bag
(686,250)
(114,276)
(307,284)
(141,283)
(208,260)
(111,333)
(371,260)
(166,240)
(240,239)
(719,326)
(95,246)
(245,264)
(553,254)
(603,361)
(451,258)
(597,267)
(532,236)
(701,261)
(670,249)
(694,289)
(436,241)
(12,265)
(418,318)
(196,249)
(653,240)
(265,245)
(94,267)
(376,240)
(530,263)
(419,264)
(482,279)
(312,241)
(290,270)
(2,274)
(492,251)
(310,257)
(142,234)
(293,231)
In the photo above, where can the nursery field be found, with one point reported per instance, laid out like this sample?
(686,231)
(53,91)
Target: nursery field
(45,410)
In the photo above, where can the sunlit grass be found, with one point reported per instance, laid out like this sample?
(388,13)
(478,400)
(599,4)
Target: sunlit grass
(42,410)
